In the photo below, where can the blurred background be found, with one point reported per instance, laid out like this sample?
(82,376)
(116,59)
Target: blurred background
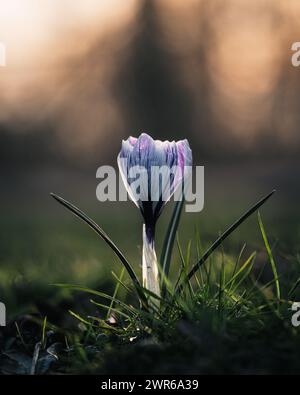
(82,75)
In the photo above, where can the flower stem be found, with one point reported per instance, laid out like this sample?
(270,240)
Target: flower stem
(150,268)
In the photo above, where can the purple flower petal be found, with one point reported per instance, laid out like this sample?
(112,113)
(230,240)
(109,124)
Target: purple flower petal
(147,153)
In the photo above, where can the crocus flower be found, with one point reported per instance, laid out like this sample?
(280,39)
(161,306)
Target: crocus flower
(161,168)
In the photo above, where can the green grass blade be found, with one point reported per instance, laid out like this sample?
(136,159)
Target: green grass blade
(79,318)
(244,276)
(80,214)
(90,324)
(199,251)
(115,294)
(238,260)
(110,309)
(241,270)
(168,244)
(223,236)
(294,287)
(43,341)
(165,282)
(222,281)
(104,325)
(97,293)
(184,264)
(21,336)
(159,298)
(270,255)
(121,283)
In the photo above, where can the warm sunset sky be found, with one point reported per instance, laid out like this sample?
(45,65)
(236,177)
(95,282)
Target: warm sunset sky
(52,68)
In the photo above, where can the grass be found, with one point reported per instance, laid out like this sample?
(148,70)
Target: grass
(231,315)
